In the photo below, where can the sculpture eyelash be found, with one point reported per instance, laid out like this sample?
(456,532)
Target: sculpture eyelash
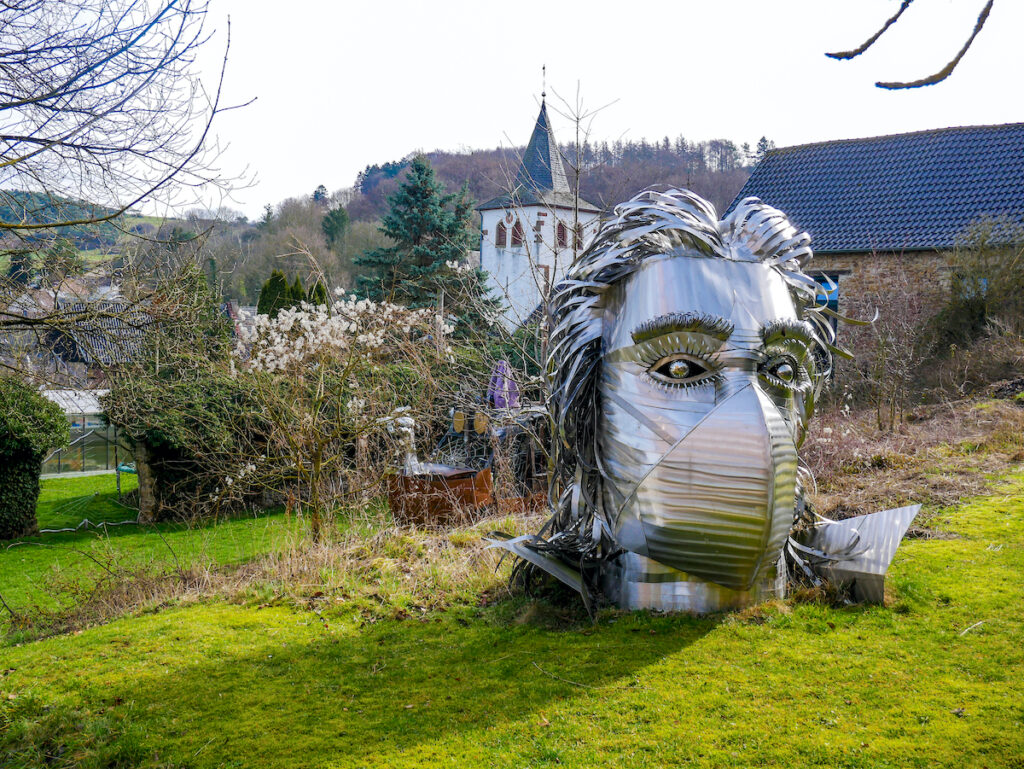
(650,352)
(693,322)
(802,332)
(709,374)
(714,378)
(801,379)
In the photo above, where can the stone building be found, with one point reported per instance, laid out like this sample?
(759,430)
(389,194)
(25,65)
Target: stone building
(908,198)
(531,234)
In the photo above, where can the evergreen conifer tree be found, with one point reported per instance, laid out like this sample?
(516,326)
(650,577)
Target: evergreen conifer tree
(20,268)
(274,295)
(317,294)
(296,294)
(334,225)
(431,232)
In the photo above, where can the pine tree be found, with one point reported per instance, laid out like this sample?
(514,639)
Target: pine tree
(317,294)
(61,260)
(334,225)
(274,295)
(431,232)
(763,145)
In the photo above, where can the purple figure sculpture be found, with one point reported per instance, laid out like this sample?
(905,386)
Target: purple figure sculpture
(502,392)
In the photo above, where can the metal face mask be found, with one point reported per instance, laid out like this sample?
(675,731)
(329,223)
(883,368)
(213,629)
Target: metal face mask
(701,394)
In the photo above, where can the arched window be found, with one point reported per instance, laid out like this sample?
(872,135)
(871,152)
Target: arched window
(562,236)
(501,235)
(577,241)
(517,234)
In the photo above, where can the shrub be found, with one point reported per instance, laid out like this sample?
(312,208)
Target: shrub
(182,408)
(986,274)
(30,426)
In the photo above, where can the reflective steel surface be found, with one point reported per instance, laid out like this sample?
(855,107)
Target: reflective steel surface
(700,472)
(856,552)
(684,357)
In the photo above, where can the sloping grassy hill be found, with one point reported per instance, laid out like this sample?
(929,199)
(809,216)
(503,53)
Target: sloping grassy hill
(935,679)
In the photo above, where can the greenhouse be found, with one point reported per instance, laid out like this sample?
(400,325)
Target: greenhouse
(94,445)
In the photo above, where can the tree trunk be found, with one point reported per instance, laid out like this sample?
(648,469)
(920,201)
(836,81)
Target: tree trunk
(148,507)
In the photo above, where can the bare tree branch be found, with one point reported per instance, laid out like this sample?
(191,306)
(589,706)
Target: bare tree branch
(946,71)
(937,77)
(871,40)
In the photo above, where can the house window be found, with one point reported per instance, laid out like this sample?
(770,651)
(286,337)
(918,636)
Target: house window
(828,295)
(501,235)
(517,234)
(577,239)
(562,236)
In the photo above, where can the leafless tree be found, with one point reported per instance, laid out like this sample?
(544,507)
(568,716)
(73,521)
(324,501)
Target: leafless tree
(932,79)
(100,102)
(101,109)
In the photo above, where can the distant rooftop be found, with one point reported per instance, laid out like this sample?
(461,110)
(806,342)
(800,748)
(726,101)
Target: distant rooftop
(77,401)
(915,191)
(541,179)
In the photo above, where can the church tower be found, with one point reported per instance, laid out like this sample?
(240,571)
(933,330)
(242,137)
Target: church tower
(531,234)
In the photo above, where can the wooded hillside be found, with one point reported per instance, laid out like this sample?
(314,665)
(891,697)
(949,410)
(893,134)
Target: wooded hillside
(608,172)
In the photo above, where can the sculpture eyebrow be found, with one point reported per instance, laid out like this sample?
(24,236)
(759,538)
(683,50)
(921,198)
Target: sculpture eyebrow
(697,323)
(798,331)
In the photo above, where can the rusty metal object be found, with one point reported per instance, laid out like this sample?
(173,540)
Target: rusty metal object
(485,461)
(440,496)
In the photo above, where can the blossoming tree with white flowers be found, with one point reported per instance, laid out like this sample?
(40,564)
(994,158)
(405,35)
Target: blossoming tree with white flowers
(330,379)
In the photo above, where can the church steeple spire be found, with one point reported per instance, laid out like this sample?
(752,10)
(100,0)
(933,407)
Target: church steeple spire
(542,169)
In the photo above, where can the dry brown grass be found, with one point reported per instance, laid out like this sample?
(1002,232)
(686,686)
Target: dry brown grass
(369,571)
(940,455)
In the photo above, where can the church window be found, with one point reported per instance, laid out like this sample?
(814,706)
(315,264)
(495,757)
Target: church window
(562,236)
(517,234)
(501,235)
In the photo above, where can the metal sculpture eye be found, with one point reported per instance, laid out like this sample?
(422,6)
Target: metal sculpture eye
(680,370)
(785,371)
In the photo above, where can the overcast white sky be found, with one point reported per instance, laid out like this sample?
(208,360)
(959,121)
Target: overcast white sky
(341,85)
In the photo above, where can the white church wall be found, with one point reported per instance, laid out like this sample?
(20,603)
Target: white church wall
(520,275)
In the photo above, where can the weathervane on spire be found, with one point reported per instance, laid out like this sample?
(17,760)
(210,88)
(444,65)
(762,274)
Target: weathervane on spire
(543,81)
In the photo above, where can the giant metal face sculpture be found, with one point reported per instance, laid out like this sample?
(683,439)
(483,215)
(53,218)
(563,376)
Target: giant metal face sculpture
(685,353)
(701,394)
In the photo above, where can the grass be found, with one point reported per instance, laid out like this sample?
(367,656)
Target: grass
(54,571)
(935,679)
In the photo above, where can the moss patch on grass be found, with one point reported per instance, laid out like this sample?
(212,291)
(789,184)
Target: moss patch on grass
(936,679)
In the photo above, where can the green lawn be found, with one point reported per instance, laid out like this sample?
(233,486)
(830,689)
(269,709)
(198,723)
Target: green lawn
(37,570)
(917,684)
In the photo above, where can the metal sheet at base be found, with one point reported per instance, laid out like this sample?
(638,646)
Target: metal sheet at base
(877,536)
(637,582)
(549,563)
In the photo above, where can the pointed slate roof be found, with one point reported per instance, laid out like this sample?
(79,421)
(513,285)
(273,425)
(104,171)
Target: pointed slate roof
(542,167)
(914,191)
(541,179)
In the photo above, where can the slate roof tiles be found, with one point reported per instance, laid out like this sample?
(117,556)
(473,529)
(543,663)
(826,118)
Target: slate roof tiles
(916,191)
(541,179)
